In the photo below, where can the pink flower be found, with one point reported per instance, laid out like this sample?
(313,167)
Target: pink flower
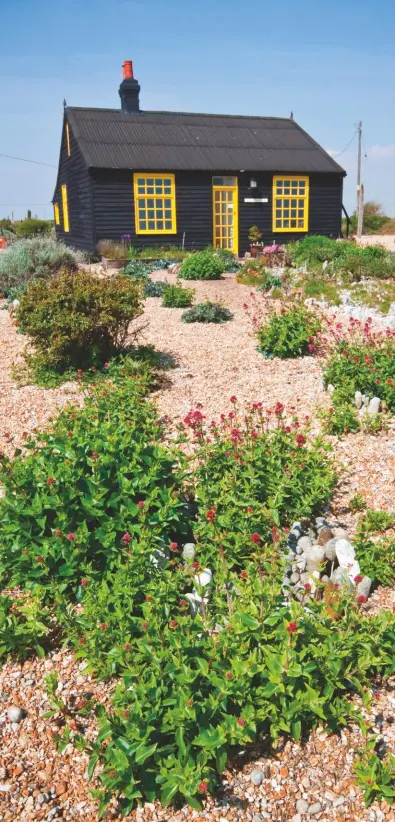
(362,599)
(292,627)
(126,539)
(141,504)
(358,578)
(255,539)
(71,537)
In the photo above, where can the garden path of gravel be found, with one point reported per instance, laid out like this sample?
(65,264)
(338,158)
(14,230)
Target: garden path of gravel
(214,362)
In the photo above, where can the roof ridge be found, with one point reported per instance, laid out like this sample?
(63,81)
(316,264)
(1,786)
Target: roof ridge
(182,113)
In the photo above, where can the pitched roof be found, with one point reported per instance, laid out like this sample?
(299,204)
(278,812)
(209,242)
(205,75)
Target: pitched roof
(165,141)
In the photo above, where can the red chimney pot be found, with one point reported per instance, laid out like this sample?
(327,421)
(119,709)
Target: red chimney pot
(127,68)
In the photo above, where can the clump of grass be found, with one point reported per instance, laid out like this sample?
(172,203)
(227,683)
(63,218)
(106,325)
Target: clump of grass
(319,288)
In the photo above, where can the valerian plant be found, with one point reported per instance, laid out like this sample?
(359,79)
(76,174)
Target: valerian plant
(100,479)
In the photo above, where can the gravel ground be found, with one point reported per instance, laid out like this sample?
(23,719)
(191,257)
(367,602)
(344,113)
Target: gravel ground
(299,781)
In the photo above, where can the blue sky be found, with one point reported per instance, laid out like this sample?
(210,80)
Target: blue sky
(331,64)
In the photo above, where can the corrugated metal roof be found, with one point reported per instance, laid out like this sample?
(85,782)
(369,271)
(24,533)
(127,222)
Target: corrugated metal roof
(155,140)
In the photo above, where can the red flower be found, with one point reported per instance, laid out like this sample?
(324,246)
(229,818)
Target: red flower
(255,538)
(307,587)
(126,539)
(336,586)
(196,565)
(361,598)
(81,640)
(149,598)
(51,481)
(144,624)
(202,787)
(250,510)
(125,714)
(127,646)
(233,399)
(141,504)
(71,537)
(183,603)
(278,409)
(228,675)
(173,546)
(358,578)
(102,626)
(210,515)
(106,364)
(241,722)
(93,368)
(300,439)
(40,558)
(58,533)
(84,582)
(95,455)
(292,627)
(244,575)
(173,623)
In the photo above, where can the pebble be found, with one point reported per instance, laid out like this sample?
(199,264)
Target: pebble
(302,806)
(314,808)
(257,776)
(15,714)
(257,818)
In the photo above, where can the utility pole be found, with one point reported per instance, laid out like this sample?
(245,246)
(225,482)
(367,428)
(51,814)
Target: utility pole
(360,212)
(359,162)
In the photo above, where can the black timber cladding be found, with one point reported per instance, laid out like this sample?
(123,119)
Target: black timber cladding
(164,141)
(74,173)
(114,208)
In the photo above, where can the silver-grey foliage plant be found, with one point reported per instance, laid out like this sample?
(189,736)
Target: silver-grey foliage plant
(29,259)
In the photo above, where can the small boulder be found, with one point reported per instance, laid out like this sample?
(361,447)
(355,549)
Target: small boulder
(358,399)
(374,406)
(295,578)
(304,543)
(341,533)
(324,535)
(189,551)
(315,556)
(257,776)
(364,587)
(345,553)
(330,550)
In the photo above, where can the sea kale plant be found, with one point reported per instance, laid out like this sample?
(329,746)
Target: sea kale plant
(207,312)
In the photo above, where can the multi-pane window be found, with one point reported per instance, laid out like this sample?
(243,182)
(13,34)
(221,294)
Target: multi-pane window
(290,203)
(155,203)
(56,213)
(65,209)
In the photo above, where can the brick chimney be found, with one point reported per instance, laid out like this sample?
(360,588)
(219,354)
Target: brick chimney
(129,90)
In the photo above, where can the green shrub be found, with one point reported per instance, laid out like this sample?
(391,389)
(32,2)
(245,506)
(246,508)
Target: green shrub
(375,774)
(253,272)
(24,626)
(357,503)
(202,265)
(39,257)
(341,417)
(32,227)
(320,289)
(161,253)
(227,257)
(315,249)
(207,313)
(366,365)
(155,288)
(376,556)
(198,689)
(255,479)
(90,488)
(290,333)
(78,319)
(175,296)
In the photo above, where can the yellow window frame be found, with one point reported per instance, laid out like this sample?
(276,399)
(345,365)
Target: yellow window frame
(68,140)
(235,200)
(56,213)
(143,192)
(65,209)
(297,191)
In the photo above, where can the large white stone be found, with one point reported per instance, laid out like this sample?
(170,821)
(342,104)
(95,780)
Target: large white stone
(374,406)
(203,580)
(345,553)
(315,556)
(189,551)
(358,399)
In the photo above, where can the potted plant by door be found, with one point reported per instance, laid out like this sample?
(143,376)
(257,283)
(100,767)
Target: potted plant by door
(254,236)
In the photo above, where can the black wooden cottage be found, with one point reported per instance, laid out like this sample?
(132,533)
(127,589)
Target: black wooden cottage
(171,178)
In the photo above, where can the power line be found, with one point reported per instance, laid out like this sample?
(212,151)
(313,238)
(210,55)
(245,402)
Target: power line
(347,146)
(23,160)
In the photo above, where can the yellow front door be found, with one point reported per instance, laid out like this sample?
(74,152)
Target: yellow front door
(225,214)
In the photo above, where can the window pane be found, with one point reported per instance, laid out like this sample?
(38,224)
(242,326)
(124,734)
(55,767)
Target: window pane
(287,182)
(293,203)
(159,203)
(168,224)
(293,212)
(278,212)
(167,190)
(278,223)
(159,214)
(168,214)
(143,225)
(167,182)
(141,181)
(285,203)
(159,225)
(141,190)
(151,215)
(286,224)
(287,191)
(150,190)
(167,203)
(301,203)
(151,225)
(300,224)
(150,203)
(286,212)
(293,223)
(300,212)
